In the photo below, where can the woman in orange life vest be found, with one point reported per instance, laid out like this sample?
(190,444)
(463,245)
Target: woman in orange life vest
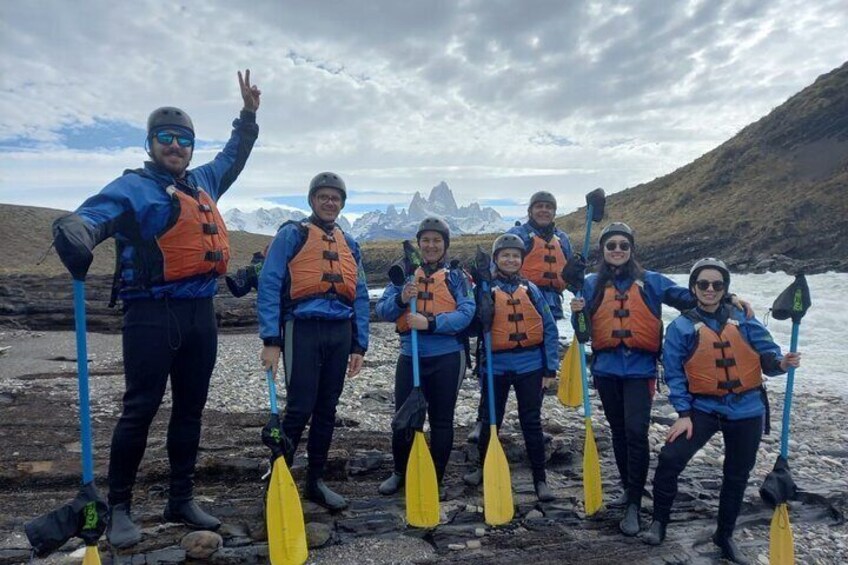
(626,330)
(714,359)
(445,307)
(524,355)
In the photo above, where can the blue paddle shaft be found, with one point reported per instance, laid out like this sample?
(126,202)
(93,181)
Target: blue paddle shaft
(272,390)
(416,378)
(587,406)
(787,400)
(82,376)
(490,379)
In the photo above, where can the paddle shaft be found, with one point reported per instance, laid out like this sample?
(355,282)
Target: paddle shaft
(82,376)
(587,406)
(787,400)
(416,375)
(490,379)
(272,390)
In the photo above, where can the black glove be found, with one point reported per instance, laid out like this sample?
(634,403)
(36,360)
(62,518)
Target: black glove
(574,273)
(274,437)
(485,312)
(74,241)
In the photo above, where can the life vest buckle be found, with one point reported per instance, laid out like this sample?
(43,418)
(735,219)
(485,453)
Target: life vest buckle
(210,229)
(621,334)
(550,259)
(330,255)
(204,207)
(624,296)
(513,301)
(426,280)
(328,238)
(214,256)
(621,313)
(518,337)
(730,385)
(725,363)
(332,278)
(549,275)
(517,317)
(425,295)
(721,344)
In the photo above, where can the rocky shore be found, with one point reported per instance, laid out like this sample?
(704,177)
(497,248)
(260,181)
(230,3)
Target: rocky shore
(39,469)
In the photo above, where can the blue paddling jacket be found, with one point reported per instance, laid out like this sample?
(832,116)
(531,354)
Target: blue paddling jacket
(623,362)
(446,333)
(680,343)
(274,307)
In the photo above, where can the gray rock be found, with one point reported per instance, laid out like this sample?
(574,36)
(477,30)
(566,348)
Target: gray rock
(317,534)
(201,544)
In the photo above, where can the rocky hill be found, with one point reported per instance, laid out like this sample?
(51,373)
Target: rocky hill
(773,196)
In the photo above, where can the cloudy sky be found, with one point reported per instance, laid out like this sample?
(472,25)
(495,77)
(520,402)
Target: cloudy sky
(499,99)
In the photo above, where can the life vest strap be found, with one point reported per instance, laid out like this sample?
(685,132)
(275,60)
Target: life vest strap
(725,363)
(513,301)
(332,277)
(623,296)
(214,256)
(549,275)
(426,280)
(518,337)
(549,246)
(721,344)
(204,207)
(516,317)
(425,295)
(210,229)
(621,334)
(729,385)
(330,255)
(621,313)
(550,259)
(328,238)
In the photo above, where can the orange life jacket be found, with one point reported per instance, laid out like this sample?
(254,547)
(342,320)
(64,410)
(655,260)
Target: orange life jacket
(323,267)
(723,363)
(197,243)
(434,296)
(544,263)
(624,318)
(517,323)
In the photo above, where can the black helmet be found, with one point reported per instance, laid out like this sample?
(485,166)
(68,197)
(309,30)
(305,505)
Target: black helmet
(507,241)
(328,180)
(435,224)
(168,116)
(709,263)
(617,228)
(542,196)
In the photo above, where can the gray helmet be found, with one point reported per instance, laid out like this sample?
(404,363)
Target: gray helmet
(508,241)
(328,180)
(709,263)
(168,116)
(435,224)
(542,196)
(617,228)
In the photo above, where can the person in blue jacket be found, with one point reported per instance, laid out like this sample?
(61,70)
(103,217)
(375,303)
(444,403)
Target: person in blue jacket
(547,252)
(625,316)
(714,358)
(445,308)
(172,246)
(313,311)
(524,354)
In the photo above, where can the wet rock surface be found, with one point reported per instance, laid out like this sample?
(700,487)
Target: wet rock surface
(39,470)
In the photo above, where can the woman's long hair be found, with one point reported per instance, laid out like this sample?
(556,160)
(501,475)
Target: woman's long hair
(606,272)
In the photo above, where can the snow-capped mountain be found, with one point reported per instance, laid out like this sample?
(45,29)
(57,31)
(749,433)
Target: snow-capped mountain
(268,220)
(392,224)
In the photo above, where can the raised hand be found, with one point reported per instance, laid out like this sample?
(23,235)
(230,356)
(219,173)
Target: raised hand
(249,93)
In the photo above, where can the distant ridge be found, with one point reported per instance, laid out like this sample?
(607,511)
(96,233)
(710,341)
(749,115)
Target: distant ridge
(775,194)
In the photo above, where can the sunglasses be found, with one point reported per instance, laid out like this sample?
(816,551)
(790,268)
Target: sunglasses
(718,286)
(623,245)
(166,138)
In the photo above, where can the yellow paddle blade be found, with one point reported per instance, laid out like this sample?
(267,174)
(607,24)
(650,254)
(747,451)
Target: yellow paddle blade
(593,496)
(570,391)
(92,556)
(422,487)
(497,484)
(781,542)
(284,518)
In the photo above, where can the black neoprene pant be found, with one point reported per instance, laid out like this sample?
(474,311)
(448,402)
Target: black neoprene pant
(161,338)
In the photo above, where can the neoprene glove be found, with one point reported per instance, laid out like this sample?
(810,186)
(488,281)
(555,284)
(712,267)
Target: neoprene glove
(574,273)
(74,241)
